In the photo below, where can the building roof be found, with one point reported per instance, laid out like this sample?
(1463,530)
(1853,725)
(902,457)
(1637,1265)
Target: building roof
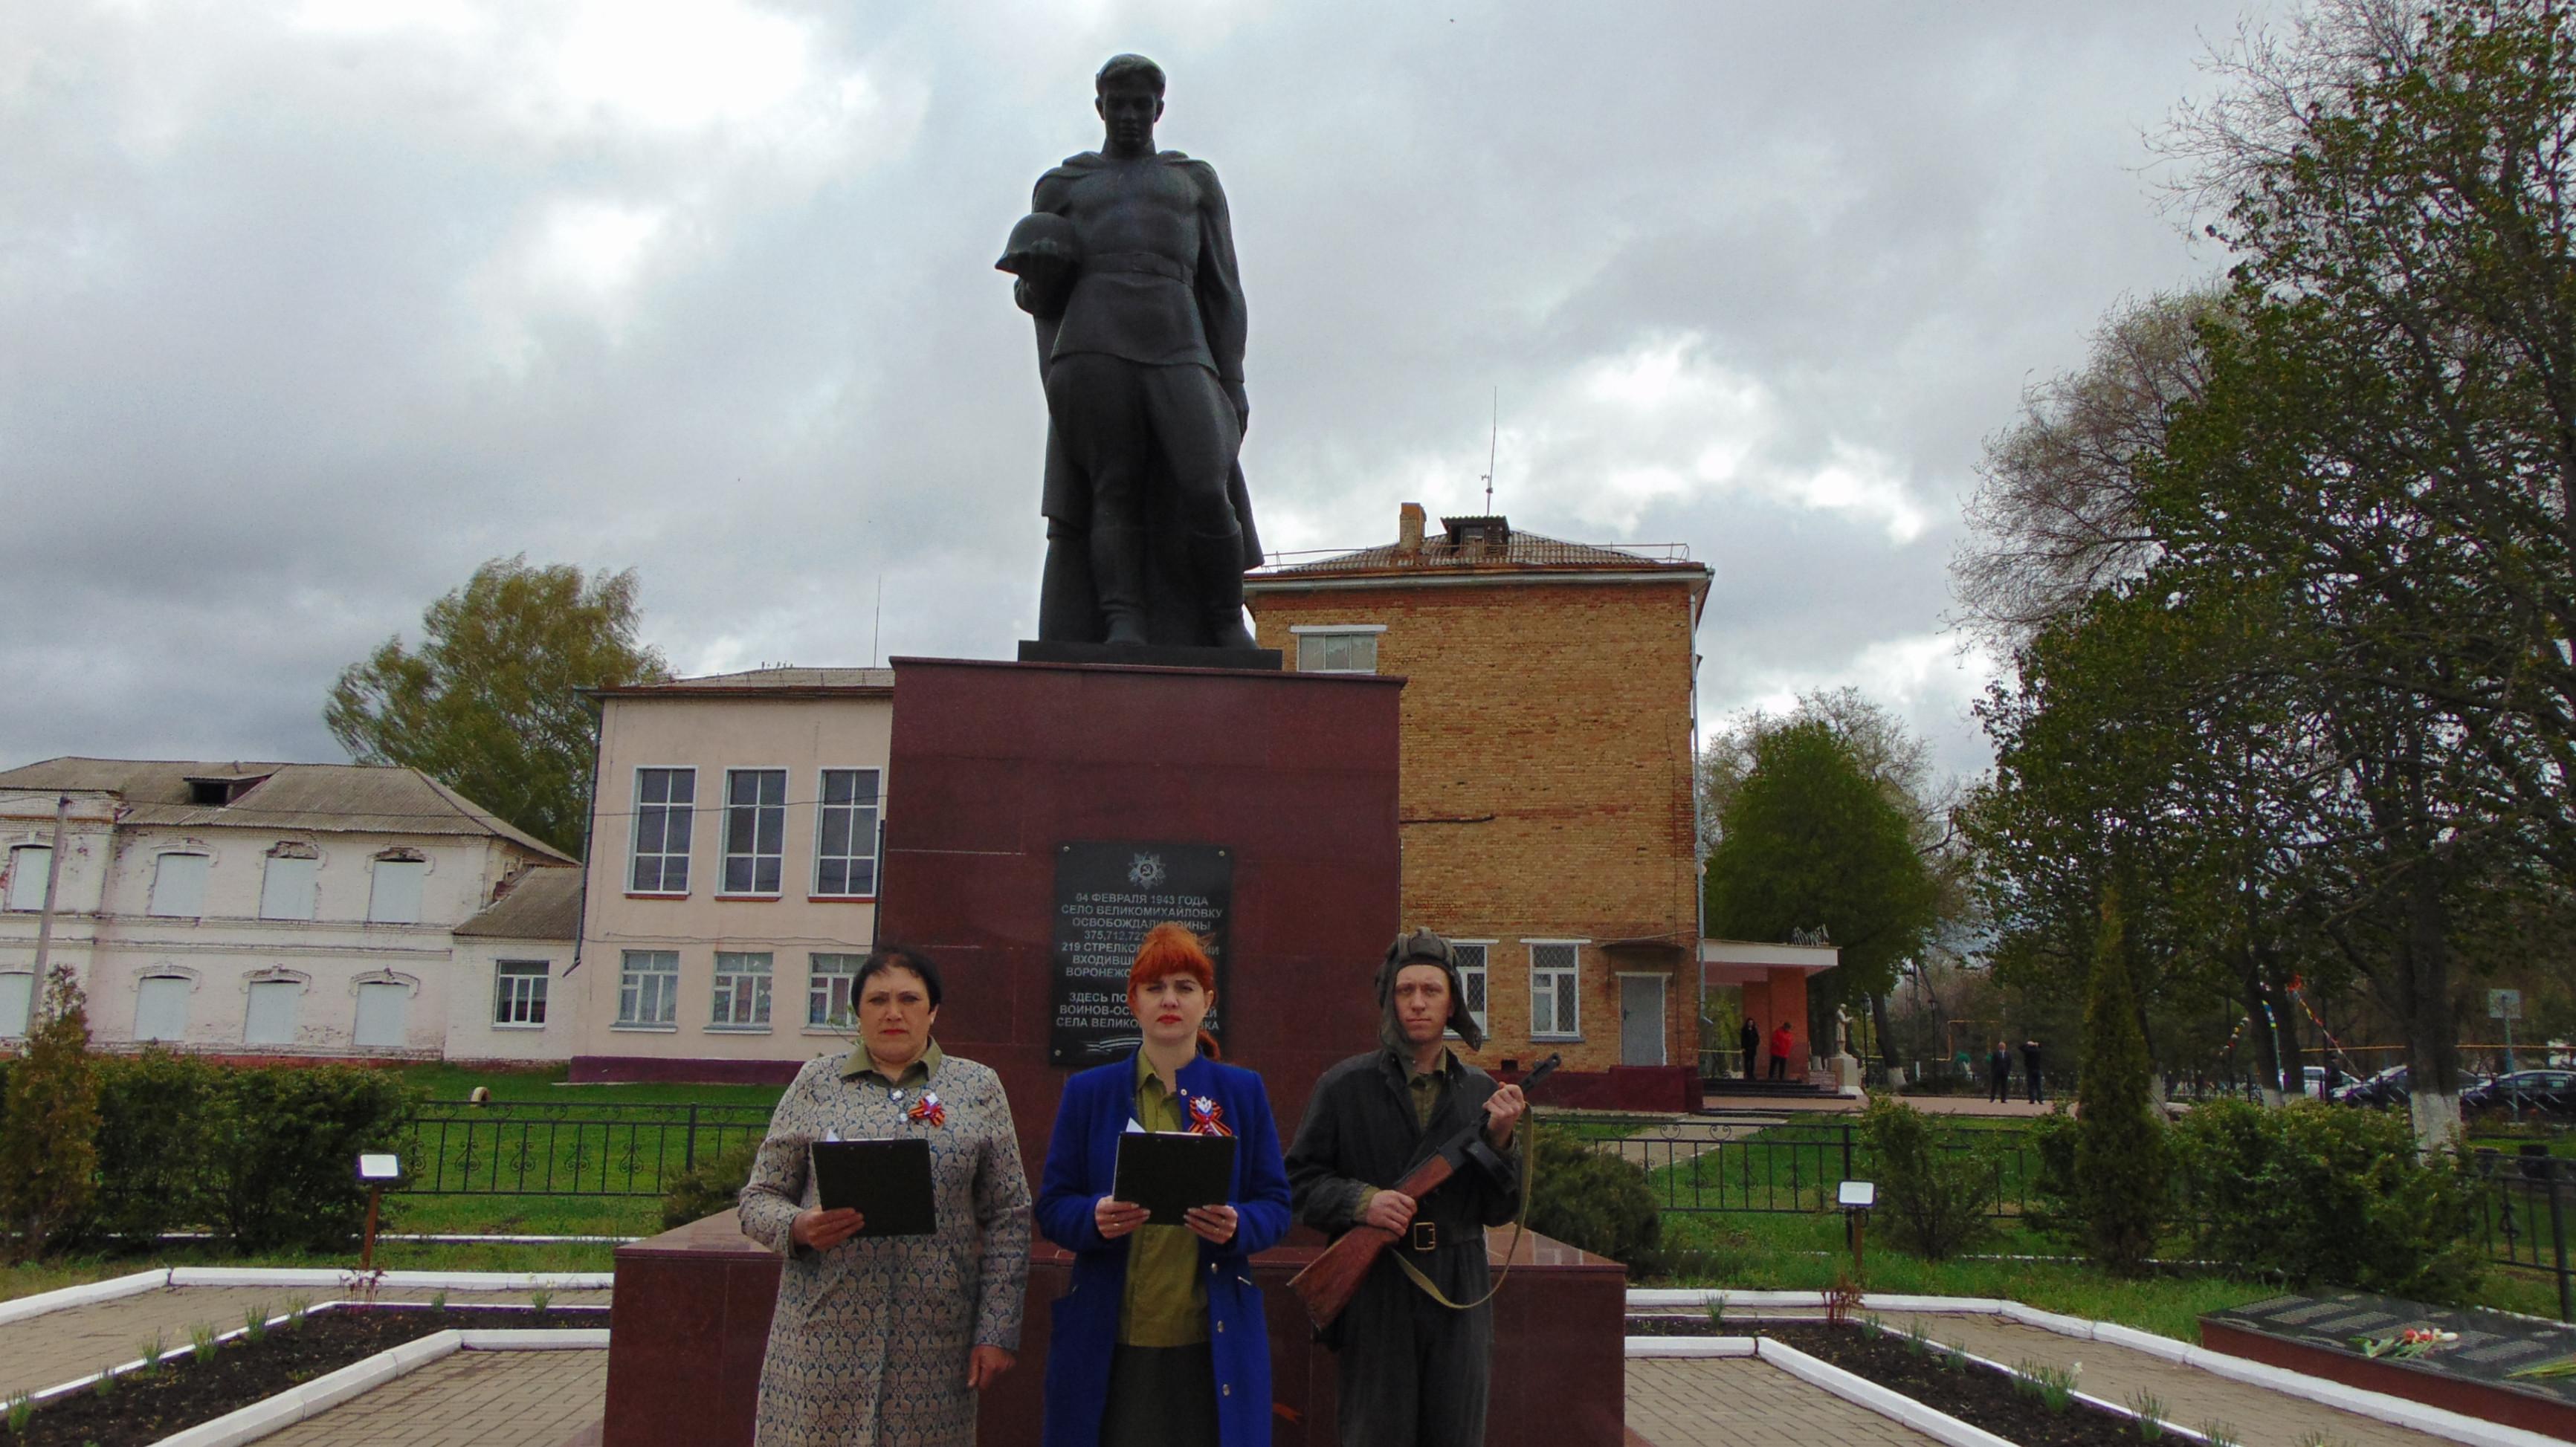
(804,681)
(320,798)
(541,904)
(1469,544)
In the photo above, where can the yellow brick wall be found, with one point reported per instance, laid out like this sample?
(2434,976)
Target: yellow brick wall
(1546,785)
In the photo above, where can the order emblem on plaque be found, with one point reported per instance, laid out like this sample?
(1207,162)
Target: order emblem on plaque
(1107,895)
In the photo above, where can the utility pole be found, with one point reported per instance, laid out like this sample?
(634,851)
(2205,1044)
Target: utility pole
(53,882)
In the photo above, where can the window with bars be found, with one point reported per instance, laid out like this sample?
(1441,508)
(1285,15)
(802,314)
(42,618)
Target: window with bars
(648,988)
(742,991)
(664,801)
(1556,1011)
(827,996)
(755,838)
(1354,652)
(845,834)
(1470,958)
(519,992)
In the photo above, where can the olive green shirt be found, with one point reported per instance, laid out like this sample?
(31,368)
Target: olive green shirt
(1427,1086)
(860,1063)
(1166,1303)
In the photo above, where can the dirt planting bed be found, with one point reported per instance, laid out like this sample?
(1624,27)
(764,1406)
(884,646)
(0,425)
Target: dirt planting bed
(139,1408)
(1979,1396)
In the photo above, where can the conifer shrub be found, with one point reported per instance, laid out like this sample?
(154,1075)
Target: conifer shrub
(712,1185)
(2120,1193)
(284,1145)
(49,1122)
(1936,1189)
(1593,1199)
(155,1143)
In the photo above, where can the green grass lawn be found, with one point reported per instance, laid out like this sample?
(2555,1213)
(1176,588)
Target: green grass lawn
(455,1082)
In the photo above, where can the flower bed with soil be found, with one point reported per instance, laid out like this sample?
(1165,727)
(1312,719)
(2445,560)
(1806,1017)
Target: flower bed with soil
(143,1405)
(1976,1395)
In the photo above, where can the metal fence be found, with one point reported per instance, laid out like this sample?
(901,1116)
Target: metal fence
(1715,1164)
(460,1148)
(2523,1211)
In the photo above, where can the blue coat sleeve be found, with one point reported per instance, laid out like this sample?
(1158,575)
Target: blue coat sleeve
(1262,1216)
(1065,1193)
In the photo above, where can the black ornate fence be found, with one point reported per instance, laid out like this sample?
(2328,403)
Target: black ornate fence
(2523,1215)
(1714,1164)
(459,1148)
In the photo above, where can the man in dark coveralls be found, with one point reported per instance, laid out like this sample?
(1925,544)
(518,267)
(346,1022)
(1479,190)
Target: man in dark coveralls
(1413,1371)
(1127,262)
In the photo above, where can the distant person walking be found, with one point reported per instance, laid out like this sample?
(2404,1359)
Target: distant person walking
(1999,1072)
(1782,1042)
(2030,1064)
(1752,1038)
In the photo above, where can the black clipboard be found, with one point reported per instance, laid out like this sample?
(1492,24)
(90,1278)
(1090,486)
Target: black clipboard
(886,1181)
(1168,1172)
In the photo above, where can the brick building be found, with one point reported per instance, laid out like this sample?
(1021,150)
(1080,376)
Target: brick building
(1547,795)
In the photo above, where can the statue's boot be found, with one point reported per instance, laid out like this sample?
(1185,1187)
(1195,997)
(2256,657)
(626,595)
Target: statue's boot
(1118,577)
(1217,560)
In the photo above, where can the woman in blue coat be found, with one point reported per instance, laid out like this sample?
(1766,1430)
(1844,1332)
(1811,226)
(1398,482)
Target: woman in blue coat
(1160,1341)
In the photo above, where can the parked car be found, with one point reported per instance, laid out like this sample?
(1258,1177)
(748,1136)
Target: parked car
(2388,1087)
(2533,1092)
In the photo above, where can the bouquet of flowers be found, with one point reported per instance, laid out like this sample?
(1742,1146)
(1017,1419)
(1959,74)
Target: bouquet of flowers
(2414,1341)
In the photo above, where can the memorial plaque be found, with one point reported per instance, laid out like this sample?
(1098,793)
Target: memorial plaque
(1107,895)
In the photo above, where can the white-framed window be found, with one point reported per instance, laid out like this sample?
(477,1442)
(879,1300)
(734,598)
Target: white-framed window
(519,993)
(270,1018)
(27,866)
(1556,996)
(393,897)
(742,991)
(381,1008)
(161,1007)
(827,993)
(179,886)
(17,1003)
(845,834)
(1348,648)
(665,803)
(648,988)
(1471,961)
(755,837)
(286,884)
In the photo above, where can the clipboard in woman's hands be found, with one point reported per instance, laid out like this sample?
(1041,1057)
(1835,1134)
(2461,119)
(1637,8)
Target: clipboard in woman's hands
(886,1181)
(1168,1172)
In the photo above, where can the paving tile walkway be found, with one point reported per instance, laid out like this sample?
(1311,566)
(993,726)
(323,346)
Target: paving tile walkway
(2255,1416)
(470,1399)
(61,1346)
(1729,1401)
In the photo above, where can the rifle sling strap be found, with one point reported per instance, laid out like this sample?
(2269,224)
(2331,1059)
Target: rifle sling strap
(1528,1132)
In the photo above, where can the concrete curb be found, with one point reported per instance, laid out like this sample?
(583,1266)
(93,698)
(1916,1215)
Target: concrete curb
(1861,1392)
(275,1414)
(1644,1348)
(86,1294)
(417,1280)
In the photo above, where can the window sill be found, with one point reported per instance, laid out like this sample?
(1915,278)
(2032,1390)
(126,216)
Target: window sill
(772,895)
(840,899)
(1556,1039)
(850,1033)
(524,1025)
(647,1029)
(738,1030)
(657,894)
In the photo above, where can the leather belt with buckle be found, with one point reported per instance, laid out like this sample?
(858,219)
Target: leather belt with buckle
(1424,1236)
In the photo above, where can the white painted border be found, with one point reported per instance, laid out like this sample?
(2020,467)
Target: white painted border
(1650,1347)
(420,1280)
(275,1414)
(1940,1426)
(2380,1406)
(88,1293)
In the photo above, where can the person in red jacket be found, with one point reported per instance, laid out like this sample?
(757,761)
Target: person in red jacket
(1782,1042)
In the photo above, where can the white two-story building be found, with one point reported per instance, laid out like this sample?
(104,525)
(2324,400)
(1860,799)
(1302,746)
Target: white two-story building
(281,910)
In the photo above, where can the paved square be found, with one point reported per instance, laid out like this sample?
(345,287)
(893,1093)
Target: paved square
(471,1399)
(1729,1401)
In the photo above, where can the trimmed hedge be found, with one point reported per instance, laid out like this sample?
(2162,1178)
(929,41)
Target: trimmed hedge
(1590,1198)
(1933,1195)
(713,1185)
(265,1158)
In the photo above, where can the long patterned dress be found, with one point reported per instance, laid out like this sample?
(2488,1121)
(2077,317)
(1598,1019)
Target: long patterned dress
(870,1341)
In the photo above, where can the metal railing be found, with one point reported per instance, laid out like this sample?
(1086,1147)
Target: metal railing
(459,1148)
(2523,1211)
(1711,1164)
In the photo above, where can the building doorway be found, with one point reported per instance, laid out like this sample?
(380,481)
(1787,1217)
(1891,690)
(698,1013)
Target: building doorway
(1641,1019)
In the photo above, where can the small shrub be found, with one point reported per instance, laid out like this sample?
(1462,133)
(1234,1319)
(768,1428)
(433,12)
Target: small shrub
(22,1414)
(2151,1415)
(105,1386)
(255,1322)
(2310,1192)
(1595,1200)
(2121,1173)
(711,1185)
(296,1307)
(438,1300)
(2219,1434)
(151,1351)
(201,1342)
(154,1167)
(282,1143)
(1954,1359)
(1918,1338)
(1933,1195)
(539,1300)
(49,1122)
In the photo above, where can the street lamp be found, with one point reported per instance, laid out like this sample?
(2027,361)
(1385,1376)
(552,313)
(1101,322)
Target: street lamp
(376,1171)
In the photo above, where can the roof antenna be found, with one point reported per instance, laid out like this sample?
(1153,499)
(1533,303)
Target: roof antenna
(1493,441)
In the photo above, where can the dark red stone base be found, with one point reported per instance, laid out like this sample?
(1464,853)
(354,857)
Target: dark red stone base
(1664,1088)
(628,1069)
(2396,1378)
(691,1324)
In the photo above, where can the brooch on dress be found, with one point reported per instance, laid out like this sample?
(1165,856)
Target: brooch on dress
(1207,1117)
(928,1109)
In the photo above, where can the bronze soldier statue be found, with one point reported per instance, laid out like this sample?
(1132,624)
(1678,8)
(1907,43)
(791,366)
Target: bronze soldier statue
(1127,263)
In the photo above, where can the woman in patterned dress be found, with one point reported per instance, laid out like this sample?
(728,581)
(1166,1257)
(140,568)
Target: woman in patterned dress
(885,1341)
(1160,1341)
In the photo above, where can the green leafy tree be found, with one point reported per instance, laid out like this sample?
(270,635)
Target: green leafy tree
(1809,840)
(489,704)
(2120,1185)
(49,1127)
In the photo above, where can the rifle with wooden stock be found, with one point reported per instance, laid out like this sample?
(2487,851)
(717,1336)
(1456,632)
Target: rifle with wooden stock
(1329,1281)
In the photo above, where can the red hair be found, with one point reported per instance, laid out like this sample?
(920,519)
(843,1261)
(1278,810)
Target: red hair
(1172,948)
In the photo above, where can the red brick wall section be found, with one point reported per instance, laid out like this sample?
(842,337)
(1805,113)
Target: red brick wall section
(1546,785)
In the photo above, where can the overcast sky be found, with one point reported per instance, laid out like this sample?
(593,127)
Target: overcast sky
(308,308)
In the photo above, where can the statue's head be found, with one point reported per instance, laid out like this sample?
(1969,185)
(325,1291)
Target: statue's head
(1128,93)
